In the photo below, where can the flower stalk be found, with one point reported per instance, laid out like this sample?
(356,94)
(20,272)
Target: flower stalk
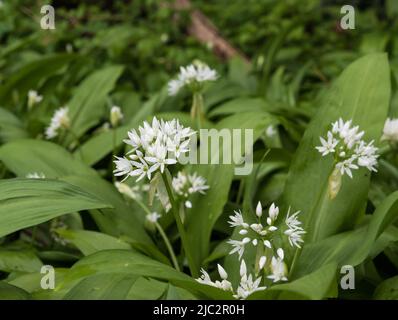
(180,226)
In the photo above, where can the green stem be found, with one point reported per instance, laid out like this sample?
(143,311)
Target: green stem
(168,245)
(294,262)
(197,108)
(163,235)
(180,226)
(113,149)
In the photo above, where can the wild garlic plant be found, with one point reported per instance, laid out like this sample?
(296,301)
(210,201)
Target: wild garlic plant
(194,77)
(154,147)
(270,266)
(350,152)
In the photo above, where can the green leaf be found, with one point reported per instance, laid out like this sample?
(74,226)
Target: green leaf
(132,263)
(349,248)
(362,86)
(315,286)
(89,242)
(55,162)
(19,260)
(31,74)
(10,127)
(28,202)
(387,290)
(9,292)
(87,104)
(116,286)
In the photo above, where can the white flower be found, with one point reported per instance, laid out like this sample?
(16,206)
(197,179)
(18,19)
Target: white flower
(36,175)
(185,184)
(278,268)
(259,210)
(116,116)
(59,120)
(205,278)
(247,286)
(261,262)
(223,285)
(272,214)
(33,98)
(237,220)
(390,131)
(366,154)
(345,166)
(351,152)
(238,246)
(123,167)
(222,272)
(267,243)
(188,204)
(153,217)
(151,148)
(295,236)
(195,73)
(327,145)
(270,131)
(291,220)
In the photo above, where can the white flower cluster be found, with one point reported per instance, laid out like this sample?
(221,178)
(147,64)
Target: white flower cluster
(351,152)
(193,75)
(153,148)
(246,286)
(36,175)
(60,120)
(390,131)
(271,262)
(186,184)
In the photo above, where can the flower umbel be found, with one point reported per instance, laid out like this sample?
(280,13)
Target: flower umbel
(185,184)
(270,266)
(350,151)
(60,120)
(154,147)
(193,75)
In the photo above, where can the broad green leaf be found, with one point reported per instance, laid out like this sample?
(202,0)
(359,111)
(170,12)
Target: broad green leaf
(30,75)
(102,144)
(87,104)
(28,202)
(362,94)
(387,290)
(9,292)
(116,286)
(19,260)
(315,286)
(349,248)
(133,263)
(89,242)
(55,162)
(10,127)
